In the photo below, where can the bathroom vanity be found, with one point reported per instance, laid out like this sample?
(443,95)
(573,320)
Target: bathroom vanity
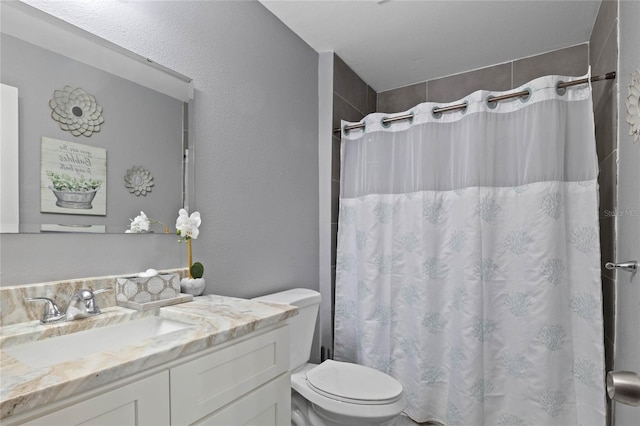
(215,360)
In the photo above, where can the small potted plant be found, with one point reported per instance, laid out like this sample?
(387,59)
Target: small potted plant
(187,229)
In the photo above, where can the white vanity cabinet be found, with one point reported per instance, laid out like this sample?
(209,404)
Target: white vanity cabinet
(240,382)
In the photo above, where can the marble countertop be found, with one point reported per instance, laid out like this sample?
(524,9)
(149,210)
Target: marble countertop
(215,320)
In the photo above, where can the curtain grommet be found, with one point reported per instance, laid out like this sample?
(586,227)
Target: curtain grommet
(526,97)
(386,121)
(463,110)
(435,114)
(346,130)
(491,104)
(560,90)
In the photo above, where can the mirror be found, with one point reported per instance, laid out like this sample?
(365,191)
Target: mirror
(94,133)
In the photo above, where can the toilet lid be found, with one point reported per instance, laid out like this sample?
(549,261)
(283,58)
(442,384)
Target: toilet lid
(353,383)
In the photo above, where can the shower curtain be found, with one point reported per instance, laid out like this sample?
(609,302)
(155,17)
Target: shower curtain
(468,262)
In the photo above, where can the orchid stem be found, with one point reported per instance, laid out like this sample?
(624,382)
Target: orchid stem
(189,256)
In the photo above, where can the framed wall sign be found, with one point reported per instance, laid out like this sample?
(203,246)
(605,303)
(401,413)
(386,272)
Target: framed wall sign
(73,178)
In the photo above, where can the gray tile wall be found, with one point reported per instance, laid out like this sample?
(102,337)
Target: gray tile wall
(573,61)
(403,98)
(352,100)
(603,54)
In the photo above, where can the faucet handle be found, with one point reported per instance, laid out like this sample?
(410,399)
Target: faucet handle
(51,311)
(82,294)
(92,306)
(102,290)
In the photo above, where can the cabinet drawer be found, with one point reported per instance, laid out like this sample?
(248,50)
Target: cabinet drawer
(208,383)
(269,405)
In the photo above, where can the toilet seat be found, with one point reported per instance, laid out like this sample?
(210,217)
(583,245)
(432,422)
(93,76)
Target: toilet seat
(355,411)
(353,383)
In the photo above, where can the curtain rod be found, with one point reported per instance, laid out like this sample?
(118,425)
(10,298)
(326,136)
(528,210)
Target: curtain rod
(438,110)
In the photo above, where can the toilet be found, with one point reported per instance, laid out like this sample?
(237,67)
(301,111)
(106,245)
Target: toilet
(332,393)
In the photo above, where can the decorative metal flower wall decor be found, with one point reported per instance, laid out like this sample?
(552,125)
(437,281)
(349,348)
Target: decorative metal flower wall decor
(76,111)
(633,106)
(138,180)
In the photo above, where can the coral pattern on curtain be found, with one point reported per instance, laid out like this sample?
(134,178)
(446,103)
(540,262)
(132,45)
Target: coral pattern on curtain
(468,263)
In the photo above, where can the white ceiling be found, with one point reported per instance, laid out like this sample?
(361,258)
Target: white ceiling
(394,43)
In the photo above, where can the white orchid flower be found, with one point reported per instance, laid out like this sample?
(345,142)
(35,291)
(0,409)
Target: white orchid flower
(139,225)
(187,226)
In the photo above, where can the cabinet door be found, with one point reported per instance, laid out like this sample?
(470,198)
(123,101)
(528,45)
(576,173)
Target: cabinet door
(208,383)
(145,402)
(269,405)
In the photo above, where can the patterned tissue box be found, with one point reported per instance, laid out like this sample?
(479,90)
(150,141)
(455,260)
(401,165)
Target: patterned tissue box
(148,289)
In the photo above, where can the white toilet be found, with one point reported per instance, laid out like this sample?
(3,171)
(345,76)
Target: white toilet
(332,393)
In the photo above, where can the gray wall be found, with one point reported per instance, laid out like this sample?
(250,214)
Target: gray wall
(142,127)
(255,129)
(627,356)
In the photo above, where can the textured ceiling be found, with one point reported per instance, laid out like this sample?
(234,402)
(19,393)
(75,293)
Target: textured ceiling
(393,43)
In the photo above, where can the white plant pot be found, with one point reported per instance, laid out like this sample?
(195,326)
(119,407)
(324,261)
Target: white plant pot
(194,286)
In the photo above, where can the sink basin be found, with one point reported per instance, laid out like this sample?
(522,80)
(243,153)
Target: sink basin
(43,353)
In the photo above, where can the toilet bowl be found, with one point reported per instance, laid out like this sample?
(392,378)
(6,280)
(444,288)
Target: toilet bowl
(334,392)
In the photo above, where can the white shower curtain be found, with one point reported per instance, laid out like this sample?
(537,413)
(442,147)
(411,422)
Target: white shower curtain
(468,263)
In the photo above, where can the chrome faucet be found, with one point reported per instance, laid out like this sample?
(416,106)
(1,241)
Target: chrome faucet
(82,304)
(51,311)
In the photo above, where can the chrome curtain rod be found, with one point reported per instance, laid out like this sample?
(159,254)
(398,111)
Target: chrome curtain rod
(490,99)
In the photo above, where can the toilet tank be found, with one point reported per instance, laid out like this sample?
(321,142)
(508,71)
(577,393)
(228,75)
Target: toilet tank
(301,326)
